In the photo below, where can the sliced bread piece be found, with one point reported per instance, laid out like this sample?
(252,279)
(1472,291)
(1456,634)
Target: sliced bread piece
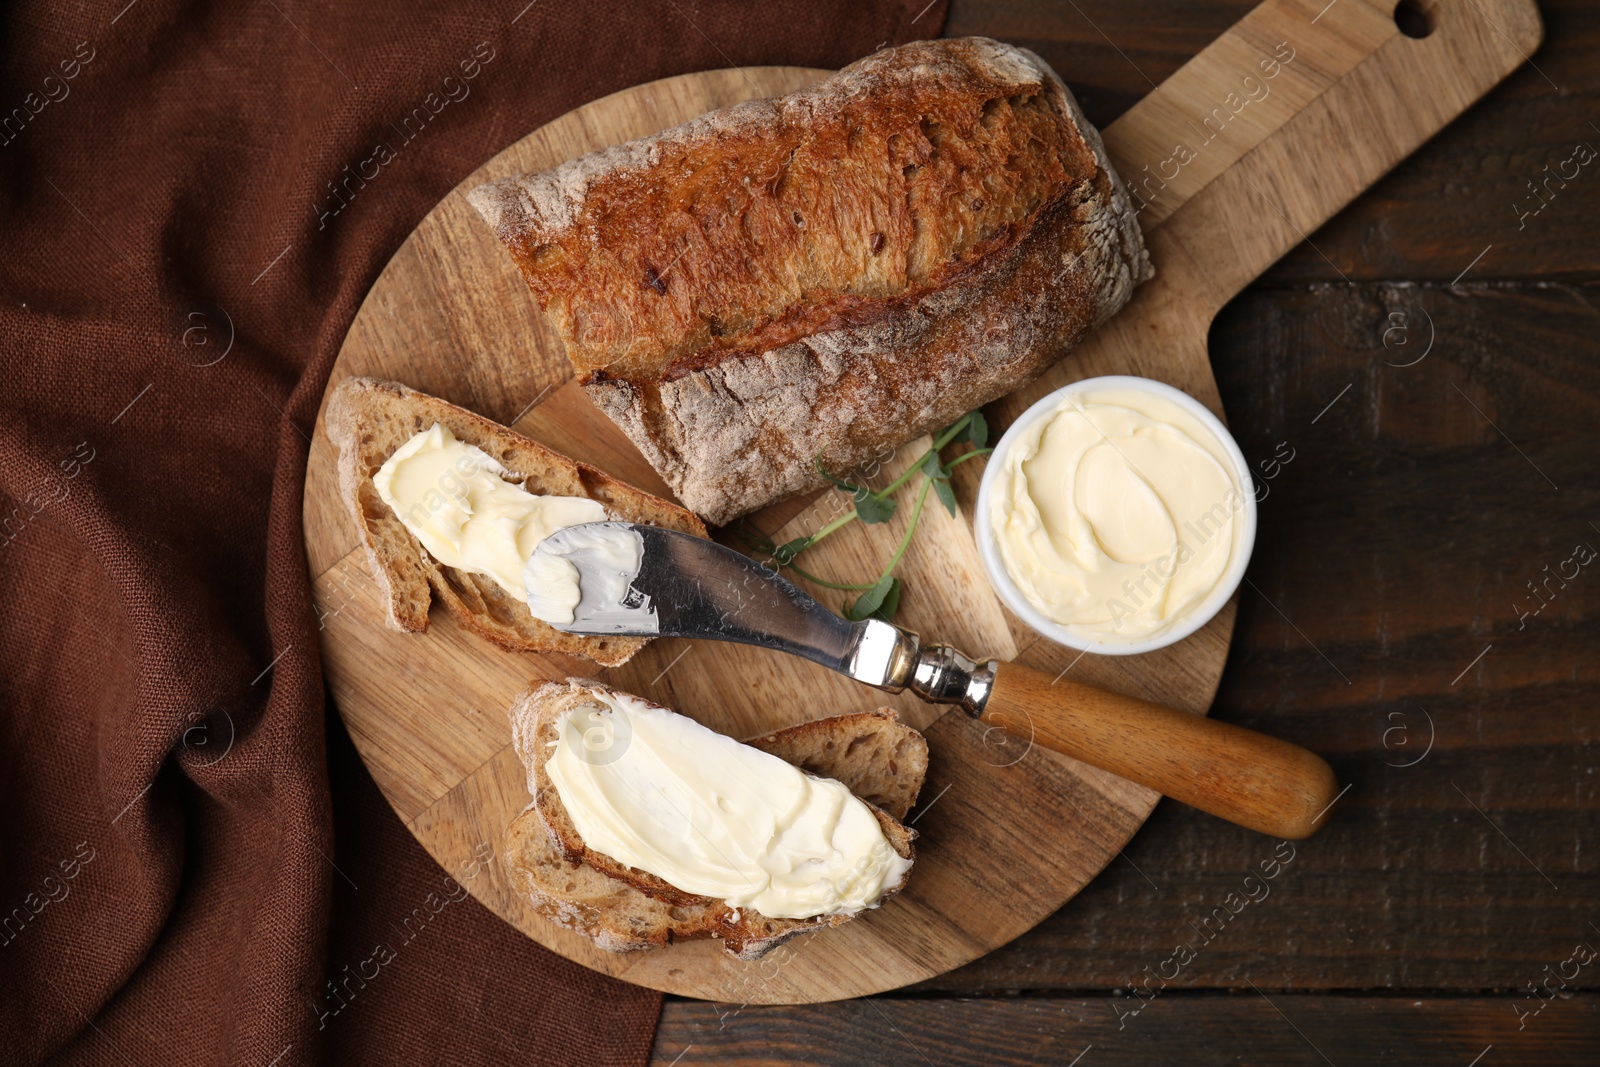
(877,757)
(368,419)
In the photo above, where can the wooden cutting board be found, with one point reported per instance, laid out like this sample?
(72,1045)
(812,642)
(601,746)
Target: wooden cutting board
(1236,157)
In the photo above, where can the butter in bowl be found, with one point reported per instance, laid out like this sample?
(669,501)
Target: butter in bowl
(1116,515)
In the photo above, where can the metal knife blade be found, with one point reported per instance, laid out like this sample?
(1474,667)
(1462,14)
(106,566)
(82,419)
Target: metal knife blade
(644,581)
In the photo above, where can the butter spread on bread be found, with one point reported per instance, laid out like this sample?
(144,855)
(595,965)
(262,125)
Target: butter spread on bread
(369,420)
(459,503)
(830,273)
(660,793)
(878,758)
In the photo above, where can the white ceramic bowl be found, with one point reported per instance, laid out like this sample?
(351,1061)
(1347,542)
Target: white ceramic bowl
(1202,613)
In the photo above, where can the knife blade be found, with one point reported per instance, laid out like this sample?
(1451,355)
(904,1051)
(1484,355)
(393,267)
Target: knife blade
(644,581)
(678,585)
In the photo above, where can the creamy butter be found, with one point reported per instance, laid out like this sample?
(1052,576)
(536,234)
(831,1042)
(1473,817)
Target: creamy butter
(457,500)
(661,793)
(597,563)
(1117,514)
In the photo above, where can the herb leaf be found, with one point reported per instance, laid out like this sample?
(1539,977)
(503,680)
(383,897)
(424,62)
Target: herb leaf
(868,604)
(978,430)
(785,554)
(891,601)
(882,599)
(873,509)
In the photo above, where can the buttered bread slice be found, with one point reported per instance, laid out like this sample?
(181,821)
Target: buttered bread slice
(721,819)
(450,504)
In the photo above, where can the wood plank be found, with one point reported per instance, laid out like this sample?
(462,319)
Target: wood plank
(1462,193)
(1398,540)
(1255,1029)
(1437,210)
(1111,54)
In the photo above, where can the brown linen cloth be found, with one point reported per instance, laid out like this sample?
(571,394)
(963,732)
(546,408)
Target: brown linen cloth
(189,871)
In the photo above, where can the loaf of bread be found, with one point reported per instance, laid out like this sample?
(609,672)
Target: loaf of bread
(831,273)
(877,757)
(369,418)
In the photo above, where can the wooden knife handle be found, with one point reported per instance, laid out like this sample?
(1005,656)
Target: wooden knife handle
(1256,781)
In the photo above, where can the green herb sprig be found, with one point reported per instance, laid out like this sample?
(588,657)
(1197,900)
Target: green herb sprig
(880,599)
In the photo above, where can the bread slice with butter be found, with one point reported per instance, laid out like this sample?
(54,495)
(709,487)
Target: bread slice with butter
(879,759)
(369,419)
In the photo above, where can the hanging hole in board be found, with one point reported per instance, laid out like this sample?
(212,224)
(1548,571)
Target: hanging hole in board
(1415,18)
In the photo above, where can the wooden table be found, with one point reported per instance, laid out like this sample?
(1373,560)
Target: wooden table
(1389,624)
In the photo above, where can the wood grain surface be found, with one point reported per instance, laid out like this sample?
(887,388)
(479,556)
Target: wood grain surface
(1258,185)
(1255,1030)
(1397,543)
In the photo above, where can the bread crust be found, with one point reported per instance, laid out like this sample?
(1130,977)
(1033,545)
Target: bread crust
(623,909)
(831,273)
(368,418)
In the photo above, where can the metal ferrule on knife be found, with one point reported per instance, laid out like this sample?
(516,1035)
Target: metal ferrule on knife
(887,657)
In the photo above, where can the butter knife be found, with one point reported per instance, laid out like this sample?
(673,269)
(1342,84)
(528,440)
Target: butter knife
(644,581)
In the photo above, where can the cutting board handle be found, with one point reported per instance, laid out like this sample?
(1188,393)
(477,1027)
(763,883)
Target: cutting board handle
(1248,778)
(1289,116)
(1257,141)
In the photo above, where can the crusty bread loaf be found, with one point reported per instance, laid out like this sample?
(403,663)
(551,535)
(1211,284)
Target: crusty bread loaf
(877,757)
(368,419)
(830,273)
